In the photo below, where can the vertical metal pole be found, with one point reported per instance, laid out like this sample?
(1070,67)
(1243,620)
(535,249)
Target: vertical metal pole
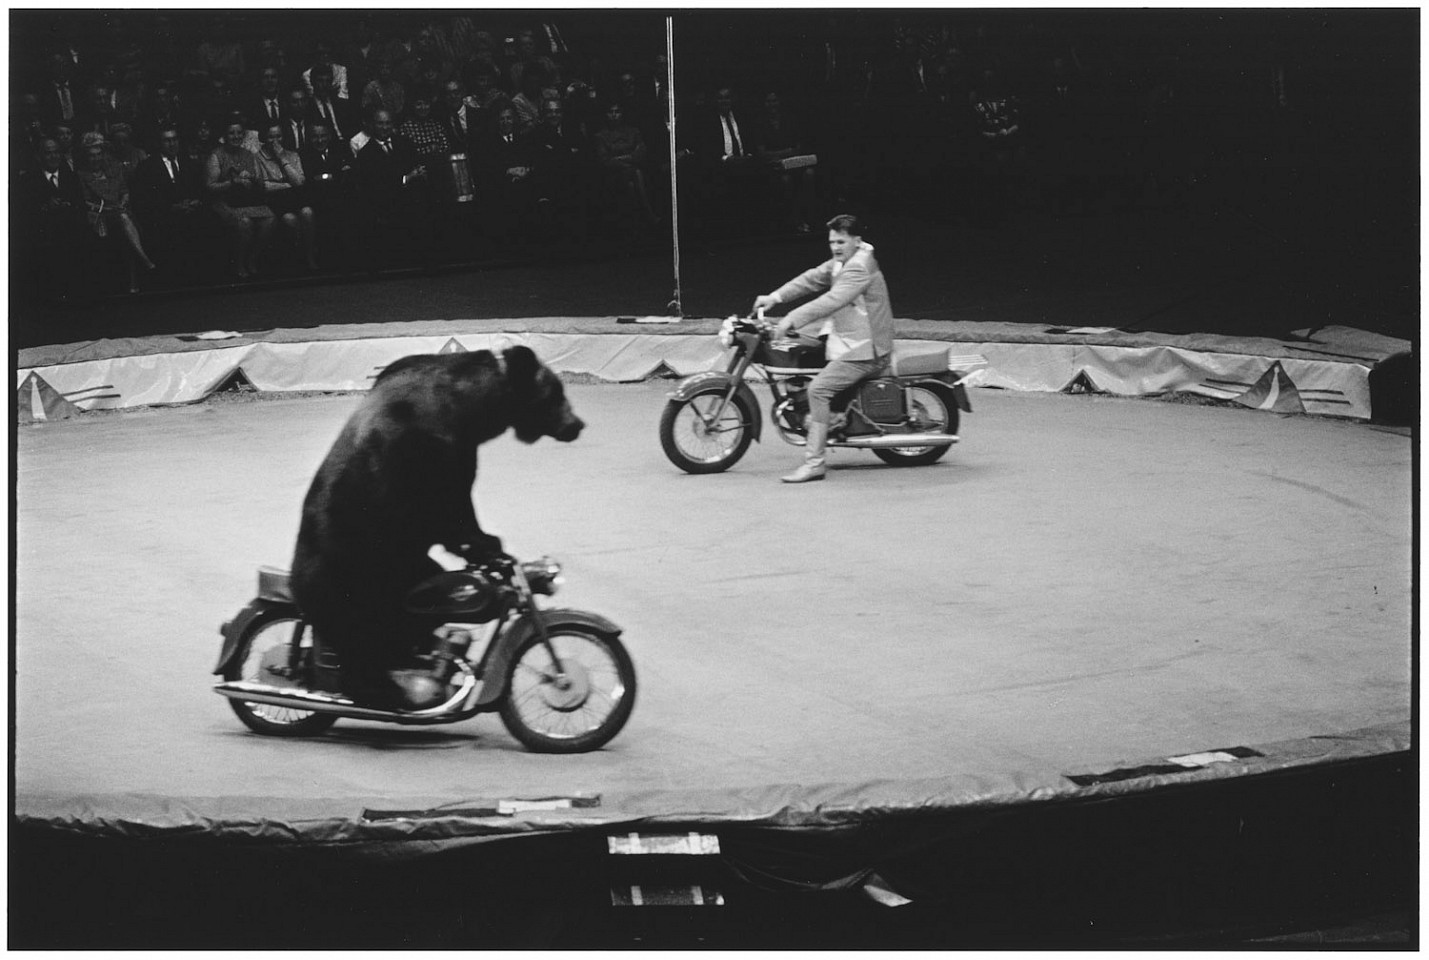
(674,306)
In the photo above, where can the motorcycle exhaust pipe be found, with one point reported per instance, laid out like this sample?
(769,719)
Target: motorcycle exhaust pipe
(898,440)
(296,698)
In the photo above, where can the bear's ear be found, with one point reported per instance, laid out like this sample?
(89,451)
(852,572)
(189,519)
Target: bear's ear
(521,367)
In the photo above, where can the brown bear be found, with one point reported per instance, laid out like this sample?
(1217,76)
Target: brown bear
(397,481)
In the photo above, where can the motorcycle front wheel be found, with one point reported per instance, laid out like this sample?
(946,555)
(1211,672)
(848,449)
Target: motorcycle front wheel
(932,408)
(263,657)
(696,442)
(577,708)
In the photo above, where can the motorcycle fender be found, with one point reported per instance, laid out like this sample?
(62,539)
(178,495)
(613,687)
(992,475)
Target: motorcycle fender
(960,392)
(499,660)
(234,629)
(703,381)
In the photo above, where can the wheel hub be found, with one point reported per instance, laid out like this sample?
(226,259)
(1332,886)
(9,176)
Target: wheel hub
(568,690)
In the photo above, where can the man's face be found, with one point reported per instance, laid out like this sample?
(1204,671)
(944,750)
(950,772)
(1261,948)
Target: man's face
(64,136)
(842,245)
(100,99)
(382,125)
(321,136)
(269,82)
(452,93)
(169,143)
(50,155)
(551,113)
(297,103)
(322,85)
(505,122)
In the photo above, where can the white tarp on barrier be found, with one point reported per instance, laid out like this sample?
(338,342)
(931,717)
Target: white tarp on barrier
(1286,385)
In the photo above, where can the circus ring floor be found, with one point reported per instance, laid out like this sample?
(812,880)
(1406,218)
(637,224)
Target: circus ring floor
(1105,654)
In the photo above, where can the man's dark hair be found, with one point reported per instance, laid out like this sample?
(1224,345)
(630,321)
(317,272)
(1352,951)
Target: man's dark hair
(846,223)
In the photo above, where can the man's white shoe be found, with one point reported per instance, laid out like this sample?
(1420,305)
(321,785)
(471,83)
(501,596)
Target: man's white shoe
(806,472)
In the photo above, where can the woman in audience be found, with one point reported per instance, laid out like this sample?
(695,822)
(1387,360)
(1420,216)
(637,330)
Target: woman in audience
(106,200)
(620,151)
(281,173)
(236,187)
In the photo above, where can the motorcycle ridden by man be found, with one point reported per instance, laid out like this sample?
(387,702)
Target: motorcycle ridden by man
(903,406)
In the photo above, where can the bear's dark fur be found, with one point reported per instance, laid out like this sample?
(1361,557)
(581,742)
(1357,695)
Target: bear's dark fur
(399,480)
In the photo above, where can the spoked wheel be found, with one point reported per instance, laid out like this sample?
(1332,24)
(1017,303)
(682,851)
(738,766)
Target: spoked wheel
(264,658)
(932,408)
(696,442)
(578,708)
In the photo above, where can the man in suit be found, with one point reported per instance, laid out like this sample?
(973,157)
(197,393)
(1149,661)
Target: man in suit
(297,112)
(168,194)
(727,178)
(854,308)
(344,117)
(327,164)
(266,105)
(502,171)
(460,119)
(392,193)
(49,223)
(562,169)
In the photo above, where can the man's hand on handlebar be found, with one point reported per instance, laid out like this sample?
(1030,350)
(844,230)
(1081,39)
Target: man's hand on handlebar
(764,302)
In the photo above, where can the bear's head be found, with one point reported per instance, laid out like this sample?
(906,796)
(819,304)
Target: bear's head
(541,408)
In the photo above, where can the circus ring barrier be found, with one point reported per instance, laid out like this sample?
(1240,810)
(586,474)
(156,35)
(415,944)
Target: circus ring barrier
(1324,371)
(1225,844)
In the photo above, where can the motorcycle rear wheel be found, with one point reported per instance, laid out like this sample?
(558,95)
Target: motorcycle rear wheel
(695,446)
(580,709)
(932,408)
(262,658)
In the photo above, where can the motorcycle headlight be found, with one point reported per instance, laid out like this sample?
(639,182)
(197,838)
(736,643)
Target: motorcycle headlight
(544,575)
(726,332)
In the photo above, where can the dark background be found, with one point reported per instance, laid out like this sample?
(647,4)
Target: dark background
(1183,194)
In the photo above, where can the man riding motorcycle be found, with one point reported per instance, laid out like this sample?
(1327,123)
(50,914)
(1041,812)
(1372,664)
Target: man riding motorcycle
(857,318)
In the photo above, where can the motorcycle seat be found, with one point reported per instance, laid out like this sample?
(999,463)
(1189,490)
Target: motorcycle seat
(915,361)
(273,584)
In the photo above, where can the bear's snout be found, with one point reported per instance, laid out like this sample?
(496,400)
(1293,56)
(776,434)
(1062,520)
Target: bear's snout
(570,429)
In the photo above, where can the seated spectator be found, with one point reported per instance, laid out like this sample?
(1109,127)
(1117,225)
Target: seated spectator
(620,151)
(777,138)
(106,201)
(527,103)
(327,164)
(168,201)
(49,210)
(392,193)
(160,109)
(323,60)
(486,94)
(530,59)
(343,116)
(281,173)
(266,104)
(561,168)
(385,91)
(502,170)
(123,151)
(62,132)
(459,119)
(236,196)
(199,140)
(296,118)
(98,116)
(727,182)
(427,134)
